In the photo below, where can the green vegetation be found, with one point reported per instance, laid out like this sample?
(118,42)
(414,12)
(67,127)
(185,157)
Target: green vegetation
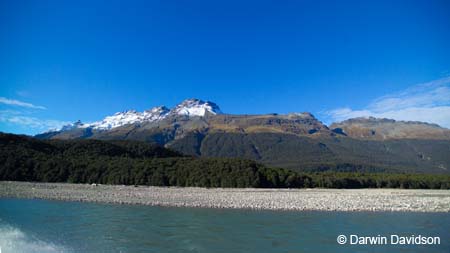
(301,153)
(137,163)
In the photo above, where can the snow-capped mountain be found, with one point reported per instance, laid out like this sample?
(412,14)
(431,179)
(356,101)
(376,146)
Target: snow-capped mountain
(298,140)
(130,117)
(189,107)
(196,107)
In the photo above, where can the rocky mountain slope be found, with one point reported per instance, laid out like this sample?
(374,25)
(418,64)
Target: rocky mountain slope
(383,129)
(297,141)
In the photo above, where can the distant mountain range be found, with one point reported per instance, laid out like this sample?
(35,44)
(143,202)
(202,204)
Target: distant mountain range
(296,141)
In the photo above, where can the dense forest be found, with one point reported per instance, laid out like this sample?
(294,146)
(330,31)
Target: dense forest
(302,153)
(24,158)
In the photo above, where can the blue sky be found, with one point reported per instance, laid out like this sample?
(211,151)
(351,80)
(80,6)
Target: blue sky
(61,61)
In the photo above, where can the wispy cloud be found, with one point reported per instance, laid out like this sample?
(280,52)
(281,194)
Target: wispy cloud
(33,123)
(14,102)
(428,102)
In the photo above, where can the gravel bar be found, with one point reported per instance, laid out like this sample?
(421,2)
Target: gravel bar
(247,198)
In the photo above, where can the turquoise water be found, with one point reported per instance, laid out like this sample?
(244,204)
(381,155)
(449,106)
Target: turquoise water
(54,226)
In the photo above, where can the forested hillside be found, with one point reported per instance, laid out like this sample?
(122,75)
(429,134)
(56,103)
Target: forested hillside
(296,141)
(301,153)
(137,163)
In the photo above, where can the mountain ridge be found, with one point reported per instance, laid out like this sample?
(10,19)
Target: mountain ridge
(189,107)
(361,127)
(296,141)
(383,128)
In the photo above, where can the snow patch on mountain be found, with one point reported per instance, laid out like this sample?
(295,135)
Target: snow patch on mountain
(189,107)
(304,115)
(67,127)
(196,107)
(130,117)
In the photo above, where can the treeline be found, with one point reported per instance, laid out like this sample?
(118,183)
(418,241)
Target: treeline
(354,180)
(136,163)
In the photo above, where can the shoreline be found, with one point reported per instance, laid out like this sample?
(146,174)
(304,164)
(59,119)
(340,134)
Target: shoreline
(315,199)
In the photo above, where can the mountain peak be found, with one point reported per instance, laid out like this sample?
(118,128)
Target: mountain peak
(126,112)
(302,115)
(158,109)
(189,107)
(196,107)
(156,113)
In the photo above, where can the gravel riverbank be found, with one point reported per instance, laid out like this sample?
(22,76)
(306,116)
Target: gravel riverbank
(273,199)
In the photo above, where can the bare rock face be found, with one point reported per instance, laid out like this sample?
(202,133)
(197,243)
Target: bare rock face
(384,129)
